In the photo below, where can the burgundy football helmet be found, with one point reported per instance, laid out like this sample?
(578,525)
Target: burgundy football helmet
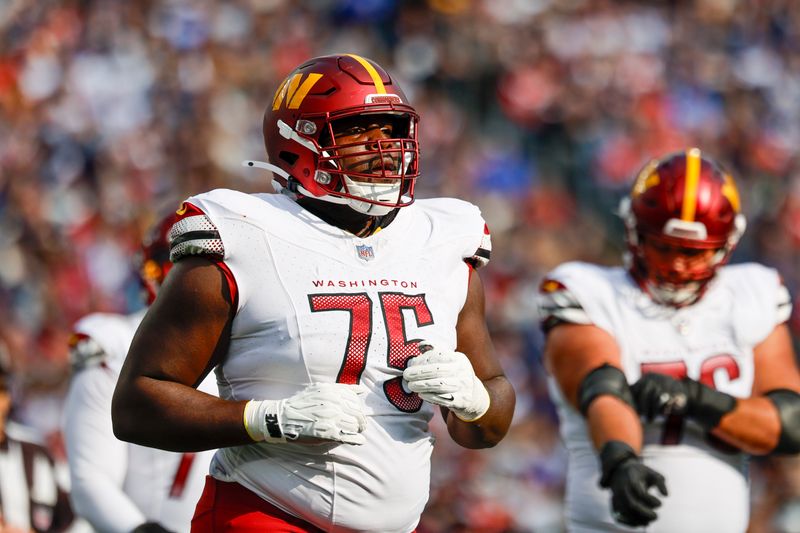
(300,123)
(683,205)
(153,257)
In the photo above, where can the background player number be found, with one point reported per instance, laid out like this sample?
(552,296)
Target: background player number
(673,425)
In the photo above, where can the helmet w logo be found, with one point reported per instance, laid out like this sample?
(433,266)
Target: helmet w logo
(293,91)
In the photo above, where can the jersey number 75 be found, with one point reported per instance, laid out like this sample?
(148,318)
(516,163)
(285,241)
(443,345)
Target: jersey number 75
(400,349)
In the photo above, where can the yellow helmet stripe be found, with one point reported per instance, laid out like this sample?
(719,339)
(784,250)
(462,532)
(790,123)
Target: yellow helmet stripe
(279,94)
(300,94)
(376,78)
(693,163)
(729,191)
(292,87)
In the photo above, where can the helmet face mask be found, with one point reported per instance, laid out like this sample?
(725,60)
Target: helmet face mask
(365,161)
(682,222)
(677,274)
(319,133)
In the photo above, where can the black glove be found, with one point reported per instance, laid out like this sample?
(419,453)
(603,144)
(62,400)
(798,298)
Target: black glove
(658,394)
(630,480)
(151,527)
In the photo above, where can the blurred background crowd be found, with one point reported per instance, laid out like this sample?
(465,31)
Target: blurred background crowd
(538,111)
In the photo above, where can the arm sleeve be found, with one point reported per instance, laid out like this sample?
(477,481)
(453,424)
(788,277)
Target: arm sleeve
(97,460)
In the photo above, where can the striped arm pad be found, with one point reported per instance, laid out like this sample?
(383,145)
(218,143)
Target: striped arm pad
(194,234)
(558,305)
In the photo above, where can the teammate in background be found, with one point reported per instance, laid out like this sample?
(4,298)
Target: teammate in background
(313,304)
(700,350)
(31,498)
(117,486)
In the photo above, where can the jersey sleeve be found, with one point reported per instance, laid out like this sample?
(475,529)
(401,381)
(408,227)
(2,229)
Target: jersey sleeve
(784,301)
(203,228)
(483,253)
(558,305)
(102,339)
(193,233)
(85,352)
(575,293)
(97,460)
(763,301)
(460,224)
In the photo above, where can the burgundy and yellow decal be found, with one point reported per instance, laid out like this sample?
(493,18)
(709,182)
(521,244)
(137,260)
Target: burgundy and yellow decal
(646,179)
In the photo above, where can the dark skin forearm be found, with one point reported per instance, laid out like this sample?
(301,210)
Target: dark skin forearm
(184,334)
(474,341)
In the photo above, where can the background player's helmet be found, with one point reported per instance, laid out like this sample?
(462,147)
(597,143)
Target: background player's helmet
(153,257)
(298,134)
(682,200)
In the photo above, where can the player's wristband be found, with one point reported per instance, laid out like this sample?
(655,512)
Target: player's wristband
(707,406)
(478,406)
(262,420)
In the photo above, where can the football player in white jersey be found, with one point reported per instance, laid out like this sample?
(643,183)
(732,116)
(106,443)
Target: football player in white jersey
(337,314)
(32,498)
(117,486)
(668,373)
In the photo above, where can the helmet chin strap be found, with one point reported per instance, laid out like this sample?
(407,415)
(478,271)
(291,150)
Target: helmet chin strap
(677,296)
(373,191)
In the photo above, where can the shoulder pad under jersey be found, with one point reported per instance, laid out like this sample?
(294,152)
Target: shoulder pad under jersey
(194,234)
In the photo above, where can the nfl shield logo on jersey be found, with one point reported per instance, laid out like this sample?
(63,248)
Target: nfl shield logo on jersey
(365,252)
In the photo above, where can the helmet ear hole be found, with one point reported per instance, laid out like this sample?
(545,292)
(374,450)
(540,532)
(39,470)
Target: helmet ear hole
(289,157)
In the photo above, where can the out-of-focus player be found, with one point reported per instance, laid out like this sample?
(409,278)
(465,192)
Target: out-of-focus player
(117,486)
(312,305)
(700,350)
(31,497)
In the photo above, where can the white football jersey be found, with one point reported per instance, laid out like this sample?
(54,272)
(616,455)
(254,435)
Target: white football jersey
(711,341)
(317,304)
(117,486)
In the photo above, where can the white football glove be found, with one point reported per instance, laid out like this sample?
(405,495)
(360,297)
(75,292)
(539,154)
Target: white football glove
(329,411)
(446,378)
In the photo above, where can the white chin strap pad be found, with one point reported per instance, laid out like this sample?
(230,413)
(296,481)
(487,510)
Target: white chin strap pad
(679,295)
(378,192)
(368,208)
